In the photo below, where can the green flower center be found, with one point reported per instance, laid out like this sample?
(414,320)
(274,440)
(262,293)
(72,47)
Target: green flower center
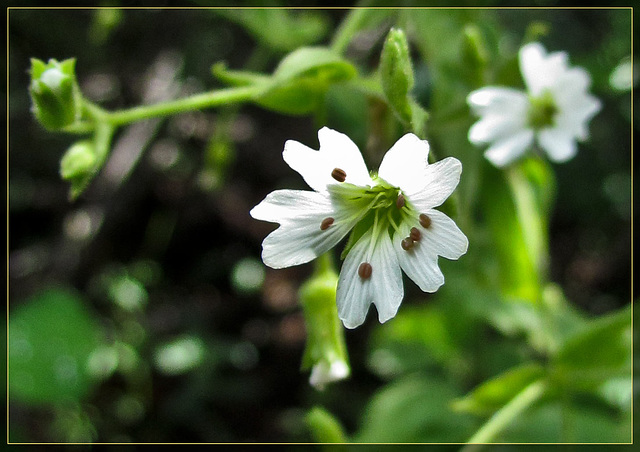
(381,208)
(542,111)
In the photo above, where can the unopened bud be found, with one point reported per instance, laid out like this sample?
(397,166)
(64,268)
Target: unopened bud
(54,93)
(396,73)
(325,353)
(78,161)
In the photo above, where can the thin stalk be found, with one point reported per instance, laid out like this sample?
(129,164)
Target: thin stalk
(350,26)
(195,102)
(506,415)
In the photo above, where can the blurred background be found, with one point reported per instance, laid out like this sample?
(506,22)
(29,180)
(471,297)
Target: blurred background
(142,311)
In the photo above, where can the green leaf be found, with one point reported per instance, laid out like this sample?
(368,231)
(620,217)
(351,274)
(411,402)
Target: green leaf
(598,352)
(414,409)
(568,421)
(298,84)
(417,337)
(280,29)
(238,78)
(324,427)
(51,337)
(516,204)
(493,394)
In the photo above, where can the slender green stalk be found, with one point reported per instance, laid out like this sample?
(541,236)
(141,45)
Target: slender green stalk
(349,26)
(506,415)
(196,102)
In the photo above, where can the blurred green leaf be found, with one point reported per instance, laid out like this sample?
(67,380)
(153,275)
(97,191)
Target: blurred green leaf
(598,352)
(568,421)
(298,84)
(414,409)
(280,29)
(324,427)
(417,336)
(344,106)
(51,337)
(516,226)
(493,394)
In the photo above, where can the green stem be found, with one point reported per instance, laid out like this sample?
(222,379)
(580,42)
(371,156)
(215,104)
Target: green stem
(195,102)
(506,415)
(350,26)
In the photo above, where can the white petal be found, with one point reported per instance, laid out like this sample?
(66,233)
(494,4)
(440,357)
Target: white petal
(508,149)
(494,127)
(336,151)
(503,112)
(383,288)
(497,100)
(435,184)
(299,238)
(575,113)
(539,70)
(404,164)
(559,144)
(442,238)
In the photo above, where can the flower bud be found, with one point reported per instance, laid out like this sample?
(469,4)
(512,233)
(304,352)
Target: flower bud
(54,93)
(325,353)
(396,73)
(78,161)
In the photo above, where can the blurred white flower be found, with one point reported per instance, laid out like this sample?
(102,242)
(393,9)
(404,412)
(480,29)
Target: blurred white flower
(391,214)
(324,372)
(554,111)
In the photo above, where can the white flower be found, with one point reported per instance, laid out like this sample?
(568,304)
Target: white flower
(391,215)
(554,111)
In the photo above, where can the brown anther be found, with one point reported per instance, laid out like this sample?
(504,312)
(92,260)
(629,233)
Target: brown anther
(414,234)
(364,270)
(407,244)
(326,223)
(425,221)
(339,174)
(400,201)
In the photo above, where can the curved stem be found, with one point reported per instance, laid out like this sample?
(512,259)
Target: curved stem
(195,102)
(506,414)
(350,26)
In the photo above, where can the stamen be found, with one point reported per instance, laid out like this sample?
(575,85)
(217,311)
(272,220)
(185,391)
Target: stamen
(392,221)
(365,270)
(339,174)
(425,221)
(326,223)
(400,201)
(407,244)
(414,234)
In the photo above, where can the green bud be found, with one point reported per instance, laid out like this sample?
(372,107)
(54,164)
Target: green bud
(396,73)
(325,353)
(54,93)
(78,161)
